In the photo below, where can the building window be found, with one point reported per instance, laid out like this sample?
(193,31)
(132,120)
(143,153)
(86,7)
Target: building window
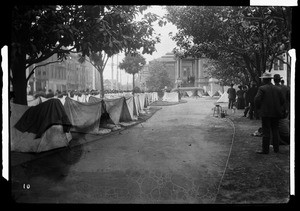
(278,63)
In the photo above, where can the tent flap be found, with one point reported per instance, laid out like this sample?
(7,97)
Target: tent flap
(85,117)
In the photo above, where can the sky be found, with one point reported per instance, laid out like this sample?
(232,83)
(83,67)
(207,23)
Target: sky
(166,45)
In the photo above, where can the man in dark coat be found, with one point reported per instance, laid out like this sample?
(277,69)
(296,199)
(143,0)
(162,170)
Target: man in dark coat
(269,101)
(231,96)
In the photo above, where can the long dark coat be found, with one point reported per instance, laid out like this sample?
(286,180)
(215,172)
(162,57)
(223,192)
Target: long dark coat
(269,101)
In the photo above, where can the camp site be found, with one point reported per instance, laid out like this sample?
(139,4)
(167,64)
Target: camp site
(149,104)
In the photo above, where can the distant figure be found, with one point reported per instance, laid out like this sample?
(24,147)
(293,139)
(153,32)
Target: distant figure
(269,100)
(246,98)
(250,95)
(240,98)
(231,96)
(50,94)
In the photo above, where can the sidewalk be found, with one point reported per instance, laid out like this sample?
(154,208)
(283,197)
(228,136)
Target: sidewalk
(250,177)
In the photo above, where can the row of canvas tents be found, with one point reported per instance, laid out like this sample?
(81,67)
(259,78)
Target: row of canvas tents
(83,115)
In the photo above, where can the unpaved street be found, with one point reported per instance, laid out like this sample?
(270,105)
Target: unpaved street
(176,156)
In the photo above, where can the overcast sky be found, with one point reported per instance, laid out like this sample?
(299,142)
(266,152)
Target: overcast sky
(166,45)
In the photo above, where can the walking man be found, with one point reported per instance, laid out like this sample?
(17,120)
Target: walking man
(231,96)
(269,101)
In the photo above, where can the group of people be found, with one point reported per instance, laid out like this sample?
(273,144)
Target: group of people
(243,99)
(268,102)
(50,93)
(58,93)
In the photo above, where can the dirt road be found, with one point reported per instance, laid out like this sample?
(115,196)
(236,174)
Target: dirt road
(176,156)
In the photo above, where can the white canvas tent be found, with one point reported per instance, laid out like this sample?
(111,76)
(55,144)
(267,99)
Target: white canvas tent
(52,138)
(223,98)
(118,110)
(34,102)
(85,117)
(171,97)
(132,107)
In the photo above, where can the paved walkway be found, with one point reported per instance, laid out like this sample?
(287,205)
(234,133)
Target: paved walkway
(177,156)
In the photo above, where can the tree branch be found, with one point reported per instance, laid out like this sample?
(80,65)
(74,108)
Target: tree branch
(285,62)
(55,50)
(38,60)
(32,71)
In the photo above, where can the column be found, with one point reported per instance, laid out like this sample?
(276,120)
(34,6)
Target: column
(180,67)
(177,69)
(112,72)
(117,86)
(94,77)
(196,72)
(199,71)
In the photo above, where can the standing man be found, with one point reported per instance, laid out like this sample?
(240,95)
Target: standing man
(284,130)
(240,98)
(269,101)
(231,96)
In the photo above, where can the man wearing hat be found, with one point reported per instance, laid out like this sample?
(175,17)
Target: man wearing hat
(284,130)
(269,101)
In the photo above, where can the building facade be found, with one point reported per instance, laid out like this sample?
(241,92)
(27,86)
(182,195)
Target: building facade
(282,67)
(62,76)
(186,72)
(190,72)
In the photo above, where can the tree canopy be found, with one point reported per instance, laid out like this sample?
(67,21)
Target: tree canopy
(95,31)
(158,77)
(242,41)
(132,64)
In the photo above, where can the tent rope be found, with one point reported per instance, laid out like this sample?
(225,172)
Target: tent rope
(227,161)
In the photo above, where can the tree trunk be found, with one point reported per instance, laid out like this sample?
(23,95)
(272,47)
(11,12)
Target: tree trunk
(19,82)
(132,83)
(101,83)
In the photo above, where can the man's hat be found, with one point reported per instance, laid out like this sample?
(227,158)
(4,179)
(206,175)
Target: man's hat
(266,75)
(277,76)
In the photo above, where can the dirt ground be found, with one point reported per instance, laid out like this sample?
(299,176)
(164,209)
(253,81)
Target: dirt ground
(249,178)
(252,178)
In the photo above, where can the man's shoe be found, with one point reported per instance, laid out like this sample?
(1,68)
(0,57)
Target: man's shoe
(262,152)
